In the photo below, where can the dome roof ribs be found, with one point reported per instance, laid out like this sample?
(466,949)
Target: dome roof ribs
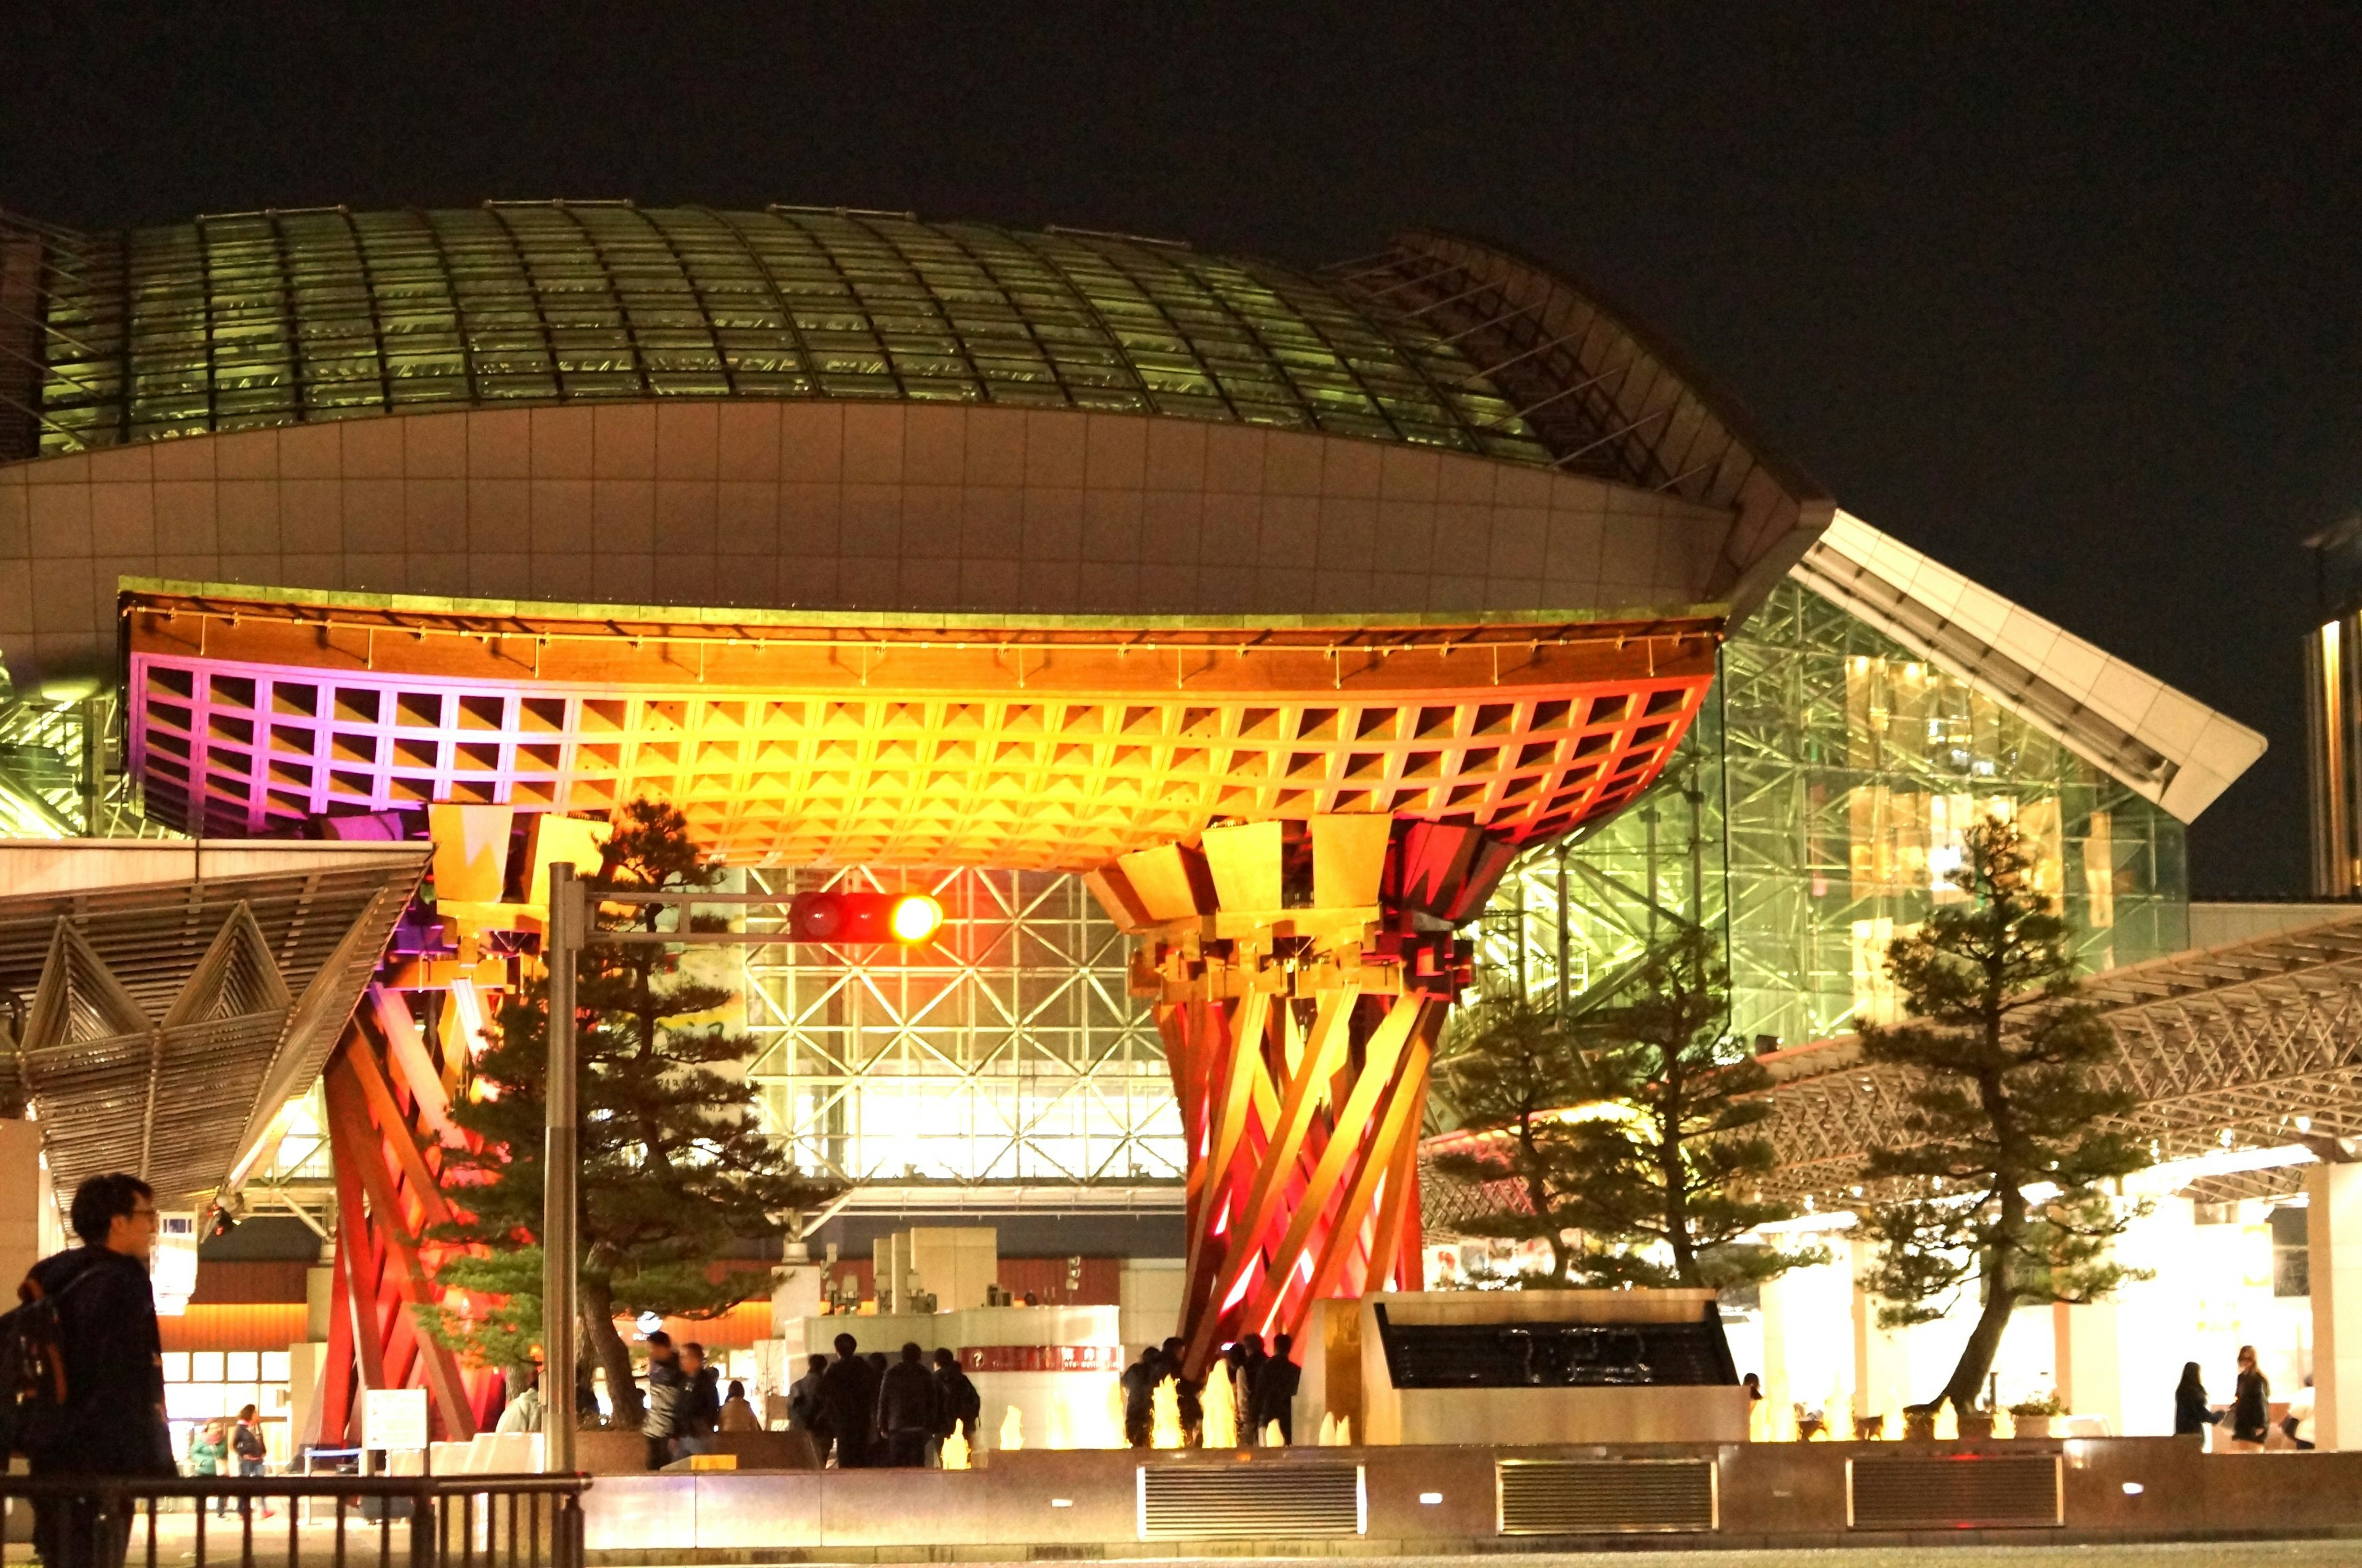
(1606,397)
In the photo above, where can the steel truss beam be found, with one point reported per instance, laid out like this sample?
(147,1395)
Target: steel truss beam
(2256,1044)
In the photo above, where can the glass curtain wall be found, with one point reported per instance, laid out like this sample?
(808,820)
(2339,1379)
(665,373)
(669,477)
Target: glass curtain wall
(1005,1052)
(1812,818)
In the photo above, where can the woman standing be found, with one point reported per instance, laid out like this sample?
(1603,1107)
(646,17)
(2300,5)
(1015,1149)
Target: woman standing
(246,1442)
(208,1446)
(2191,1414)
(2250,1406)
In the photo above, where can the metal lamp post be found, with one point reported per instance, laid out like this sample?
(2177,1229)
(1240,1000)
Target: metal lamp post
(866,918)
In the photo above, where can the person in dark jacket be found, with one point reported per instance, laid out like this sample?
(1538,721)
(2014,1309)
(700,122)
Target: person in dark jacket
(2251,1404)
(700,1415)
(1188,1395)
(2191,1414)
(667,1384)
(849,1398)
(113,1422)
(805,1413)
(906,1410)
(1274,1389)
(1139,1382)
(958,1406)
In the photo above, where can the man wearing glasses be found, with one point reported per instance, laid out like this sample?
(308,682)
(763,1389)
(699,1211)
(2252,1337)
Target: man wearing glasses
(113,1422)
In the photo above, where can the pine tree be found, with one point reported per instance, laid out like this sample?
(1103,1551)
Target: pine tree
(673,1172)
(2005,1154)
(1670,1169)
(1509,1068)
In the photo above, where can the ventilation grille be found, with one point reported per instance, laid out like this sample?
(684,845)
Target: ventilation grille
(1965,1493)
(1193,1502)
(1592,1497)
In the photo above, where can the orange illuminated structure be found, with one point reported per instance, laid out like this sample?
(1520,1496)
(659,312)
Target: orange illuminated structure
(1283,607)
(1293,819)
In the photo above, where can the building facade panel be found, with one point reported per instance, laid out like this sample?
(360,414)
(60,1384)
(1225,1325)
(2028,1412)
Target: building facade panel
(575,529)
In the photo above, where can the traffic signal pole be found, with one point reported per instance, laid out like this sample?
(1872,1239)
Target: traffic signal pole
(568,930)
(561,942)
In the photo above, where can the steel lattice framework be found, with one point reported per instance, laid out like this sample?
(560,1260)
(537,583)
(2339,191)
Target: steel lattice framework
(176,995)
(61,773)
(2256,1044)
(1004,1054)
(1806,817)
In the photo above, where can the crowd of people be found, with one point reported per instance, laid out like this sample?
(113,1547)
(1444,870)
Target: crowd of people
(1262,1386)
(868,1412)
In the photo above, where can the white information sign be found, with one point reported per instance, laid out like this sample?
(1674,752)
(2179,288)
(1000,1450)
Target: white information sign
(172,1267)
(393,1417)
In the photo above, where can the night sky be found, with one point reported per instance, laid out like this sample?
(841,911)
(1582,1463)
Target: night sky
(2065,296)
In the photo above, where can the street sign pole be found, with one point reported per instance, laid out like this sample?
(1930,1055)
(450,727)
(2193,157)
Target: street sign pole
(561,942)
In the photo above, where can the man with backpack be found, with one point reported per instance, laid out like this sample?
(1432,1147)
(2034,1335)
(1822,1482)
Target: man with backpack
(90,1315)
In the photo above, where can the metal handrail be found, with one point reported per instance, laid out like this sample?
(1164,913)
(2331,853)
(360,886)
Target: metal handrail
(500,1521)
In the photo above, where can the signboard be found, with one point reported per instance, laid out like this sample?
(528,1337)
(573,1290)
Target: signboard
(172,1267)
(393,1417)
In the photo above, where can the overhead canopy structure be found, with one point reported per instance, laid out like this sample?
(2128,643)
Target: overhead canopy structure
(176,994)
(2246,1047)
(2163,745)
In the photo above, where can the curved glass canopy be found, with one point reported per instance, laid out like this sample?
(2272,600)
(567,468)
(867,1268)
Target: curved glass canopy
(279,317)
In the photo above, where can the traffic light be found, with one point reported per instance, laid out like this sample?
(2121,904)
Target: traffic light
(905,920)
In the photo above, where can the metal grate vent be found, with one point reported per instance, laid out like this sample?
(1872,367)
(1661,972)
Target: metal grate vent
(1592,1497)
(1965,1492)
(1188,1502)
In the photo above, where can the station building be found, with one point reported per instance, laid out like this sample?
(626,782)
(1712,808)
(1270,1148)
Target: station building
(309,517)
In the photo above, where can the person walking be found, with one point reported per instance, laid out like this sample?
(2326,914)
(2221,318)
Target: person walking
(701,1404)
(667,1384)
(848,1394)
(2251,1404)
(906,1410)
(805,1414)
(2192,1416)
(958,1406)
(245,1445)
(113,1421)
(208,1447)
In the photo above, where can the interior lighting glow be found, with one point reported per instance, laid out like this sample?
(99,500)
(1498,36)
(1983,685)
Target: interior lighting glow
(1431,1498)
(2133,1489)
(915,918)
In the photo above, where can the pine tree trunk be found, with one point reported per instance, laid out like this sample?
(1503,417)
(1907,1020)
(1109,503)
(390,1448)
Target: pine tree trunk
(1677,1212)
(1976,1361)
(608,1349)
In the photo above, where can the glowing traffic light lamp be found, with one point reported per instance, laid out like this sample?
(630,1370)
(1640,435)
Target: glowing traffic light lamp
(915,918)
(904,919)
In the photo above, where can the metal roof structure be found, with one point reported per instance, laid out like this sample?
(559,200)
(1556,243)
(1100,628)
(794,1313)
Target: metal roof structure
(2165,746)
(2252,1047)
(177,994)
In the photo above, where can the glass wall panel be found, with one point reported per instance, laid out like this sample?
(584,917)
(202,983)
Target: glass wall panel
(1811,818)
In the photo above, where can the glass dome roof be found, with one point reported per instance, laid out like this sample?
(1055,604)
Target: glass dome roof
(275,318)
